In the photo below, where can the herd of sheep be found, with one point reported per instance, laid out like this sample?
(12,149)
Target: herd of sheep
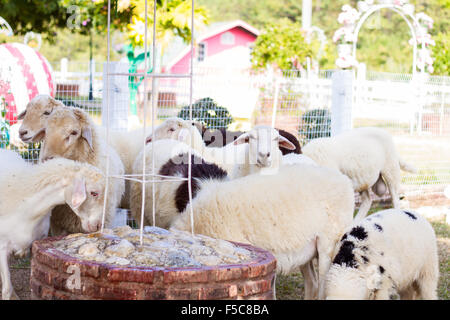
(259,187)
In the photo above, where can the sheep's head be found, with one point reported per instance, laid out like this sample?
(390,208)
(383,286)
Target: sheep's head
(177,129)
(264,143)
(85,196)
(169,129)
(361,283)
(35,116)
(68,134)
(345,283)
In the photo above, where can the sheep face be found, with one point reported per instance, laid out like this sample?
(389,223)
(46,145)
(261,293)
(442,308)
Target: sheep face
(264,142)
(35,116)
(66,135)
(85,195)
(169,129)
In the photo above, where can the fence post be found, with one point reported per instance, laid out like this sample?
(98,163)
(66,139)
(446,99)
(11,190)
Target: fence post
(64,68)
(118,96)
(275,101)
(341,101)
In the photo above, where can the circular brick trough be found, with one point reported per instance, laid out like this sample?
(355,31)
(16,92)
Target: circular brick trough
(55,275)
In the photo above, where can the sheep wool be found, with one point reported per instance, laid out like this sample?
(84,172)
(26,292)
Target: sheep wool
(390,254)
(287,213)
(364,155)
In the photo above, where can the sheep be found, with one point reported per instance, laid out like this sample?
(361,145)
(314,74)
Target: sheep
(35,116)
(170,155)
(264,158)
(388,254)
(367,156)
(232,154)
(29,192)
(126,144)
(297,214)
(221,137)
(70,133)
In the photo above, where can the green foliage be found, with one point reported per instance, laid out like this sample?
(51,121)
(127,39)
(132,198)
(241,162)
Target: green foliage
(48,17)
(282,45)
(37,16)
(315,123)
(173,19)
(209,113)
(441,54)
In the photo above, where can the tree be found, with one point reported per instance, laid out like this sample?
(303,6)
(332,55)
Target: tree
(441,54)
(47,17)
(173,20)
(281,44)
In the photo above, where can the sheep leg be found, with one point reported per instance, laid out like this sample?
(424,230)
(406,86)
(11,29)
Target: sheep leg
(427,284)
(310,277)
(7,287)
(324,248)
(392,179)
(366,203)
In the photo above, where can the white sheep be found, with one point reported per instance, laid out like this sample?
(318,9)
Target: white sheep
(264,157)
(127,144)
(388,254)
(238,159)
(35,116)
(367,156)
(70,133)
(297,213)
(29,192)
(164,150)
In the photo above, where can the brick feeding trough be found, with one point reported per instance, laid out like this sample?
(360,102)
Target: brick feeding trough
(53,273)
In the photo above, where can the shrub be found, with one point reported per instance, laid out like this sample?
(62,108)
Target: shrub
(209,113)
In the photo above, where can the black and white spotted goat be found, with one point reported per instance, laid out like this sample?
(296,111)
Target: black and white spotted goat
(389,255)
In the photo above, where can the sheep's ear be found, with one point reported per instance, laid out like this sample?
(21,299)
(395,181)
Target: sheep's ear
(55,102)
(39,136)
(285,143)
(22,115)
(199,126)
(148,139)
(374,278)
(79,192)
(86,133)
(183,135)
(80,115)
(243,138)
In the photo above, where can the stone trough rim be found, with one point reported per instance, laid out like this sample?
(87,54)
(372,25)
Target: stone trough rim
(264,259)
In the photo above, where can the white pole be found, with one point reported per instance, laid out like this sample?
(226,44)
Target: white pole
(275,101)
(341,101)
(190,118)
(306,14)
(108,58)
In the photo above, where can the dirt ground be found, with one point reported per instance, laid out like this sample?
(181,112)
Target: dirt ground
(287,287)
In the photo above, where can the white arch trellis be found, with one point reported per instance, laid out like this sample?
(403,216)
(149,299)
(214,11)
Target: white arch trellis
(353,19)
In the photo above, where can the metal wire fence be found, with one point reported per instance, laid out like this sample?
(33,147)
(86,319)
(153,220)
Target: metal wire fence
(415,110)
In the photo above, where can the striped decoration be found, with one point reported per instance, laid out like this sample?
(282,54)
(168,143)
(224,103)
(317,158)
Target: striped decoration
(31,74)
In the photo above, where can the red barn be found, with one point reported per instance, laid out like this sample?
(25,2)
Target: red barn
(220,45)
